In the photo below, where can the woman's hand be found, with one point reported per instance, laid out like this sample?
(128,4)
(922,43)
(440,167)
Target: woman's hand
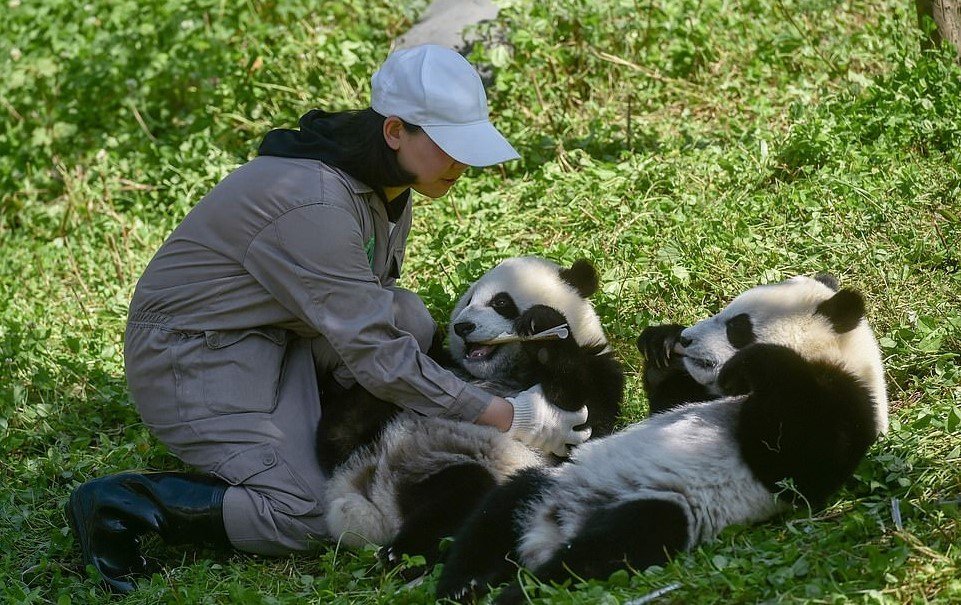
(542,425)
(499,414)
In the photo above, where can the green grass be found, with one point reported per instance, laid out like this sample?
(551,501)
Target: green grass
(689,148)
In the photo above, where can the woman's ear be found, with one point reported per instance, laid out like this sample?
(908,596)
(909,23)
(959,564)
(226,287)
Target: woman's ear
(393,127)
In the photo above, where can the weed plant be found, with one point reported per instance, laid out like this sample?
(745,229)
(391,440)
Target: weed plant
(691,149)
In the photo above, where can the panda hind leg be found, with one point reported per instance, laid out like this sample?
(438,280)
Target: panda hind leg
(435,508)
(635,534)
(485,548)
(352,418)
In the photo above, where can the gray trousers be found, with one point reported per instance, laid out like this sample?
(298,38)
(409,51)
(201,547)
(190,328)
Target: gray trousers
(244,405)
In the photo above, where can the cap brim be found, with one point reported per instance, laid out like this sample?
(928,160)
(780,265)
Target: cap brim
(477,144)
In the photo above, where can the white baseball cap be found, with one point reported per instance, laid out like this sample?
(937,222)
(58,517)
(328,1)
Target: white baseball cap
(437,89)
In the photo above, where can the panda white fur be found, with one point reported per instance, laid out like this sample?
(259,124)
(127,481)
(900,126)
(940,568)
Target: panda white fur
(802,398)
(412,480)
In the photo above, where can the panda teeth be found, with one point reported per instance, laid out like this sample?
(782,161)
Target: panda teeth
(478,351)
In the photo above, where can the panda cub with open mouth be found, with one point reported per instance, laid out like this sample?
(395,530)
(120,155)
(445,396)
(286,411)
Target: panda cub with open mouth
(771,403)
(406,481)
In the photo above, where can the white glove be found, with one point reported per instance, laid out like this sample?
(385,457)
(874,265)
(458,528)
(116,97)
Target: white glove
(542,425)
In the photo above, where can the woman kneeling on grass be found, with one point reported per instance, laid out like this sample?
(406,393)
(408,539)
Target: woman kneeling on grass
(285,272)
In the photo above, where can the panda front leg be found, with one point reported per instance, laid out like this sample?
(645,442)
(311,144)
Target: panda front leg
(807,421)
(557,363)
(667,382)
(635,534)
(573,376)
(485,548)
(433,509)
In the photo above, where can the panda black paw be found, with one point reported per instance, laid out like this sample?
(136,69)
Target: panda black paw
(467,592)
(386,555)
(537,319)
(656,343)
(391,558)
(471,590)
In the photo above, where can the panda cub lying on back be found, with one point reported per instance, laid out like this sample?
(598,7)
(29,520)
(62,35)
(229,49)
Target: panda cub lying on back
(407,481)
(791,391)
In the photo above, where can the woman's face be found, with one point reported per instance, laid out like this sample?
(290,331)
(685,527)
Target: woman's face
(435,171)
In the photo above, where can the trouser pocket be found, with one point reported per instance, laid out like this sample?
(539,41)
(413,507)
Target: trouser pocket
(228,371)
(260,468)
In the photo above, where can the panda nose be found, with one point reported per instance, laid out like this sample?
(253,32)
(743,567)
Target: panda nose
(684,341)
(463,328)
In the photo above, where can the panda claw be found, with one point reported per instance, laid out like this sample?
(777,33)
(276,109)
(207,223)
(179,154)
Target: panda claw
(388,557)
(657,343)
(668,348)
(462,593)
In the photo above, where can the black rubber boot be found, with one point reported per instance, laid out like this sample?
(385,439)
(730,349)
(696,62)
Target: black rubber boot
(108,515)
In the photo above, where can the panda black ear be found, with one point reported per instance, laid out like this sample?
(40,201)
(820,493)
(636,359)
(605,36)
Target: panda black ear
(828,280)
(844,310)
(582,277)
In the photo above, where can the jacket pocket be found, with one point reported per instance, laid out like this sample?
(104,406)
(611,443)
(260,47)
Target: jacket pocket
(229,371)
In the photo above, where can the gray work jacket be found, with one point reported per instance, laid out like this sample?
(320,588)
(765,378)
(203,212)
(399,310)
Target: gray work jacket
(299,245)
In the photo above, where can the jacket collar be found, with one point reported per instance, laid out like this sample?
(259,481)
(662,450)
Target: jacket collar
(395,209)
(355,185)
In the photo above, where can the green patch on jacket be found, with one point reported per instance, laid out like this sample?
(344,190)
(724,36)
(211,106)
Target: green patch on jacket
(369,249)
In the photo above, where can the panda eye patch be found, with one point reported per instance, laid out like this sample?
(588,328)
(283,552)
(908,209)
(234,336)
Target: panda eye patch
(740,331)
(504,305)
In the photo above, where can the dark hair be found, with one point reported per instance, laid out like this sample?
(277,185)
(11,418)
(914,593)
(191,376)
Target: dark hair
(364,152)
(350,140)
